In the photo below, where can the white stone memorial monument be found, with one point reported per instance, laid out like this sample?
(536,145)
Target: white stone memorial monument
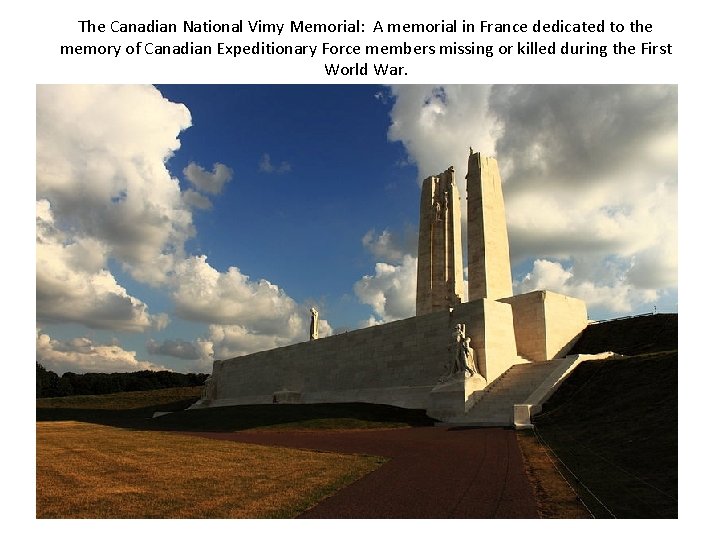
(405,363)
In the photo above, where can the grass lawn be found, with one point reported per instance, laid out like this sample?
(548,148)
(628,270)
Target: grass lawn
(94,471)
(105,457)
(123,400)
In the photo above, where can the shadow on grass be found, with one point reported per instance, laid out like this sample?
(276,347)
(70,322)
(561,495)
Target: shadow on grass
(241,417)
(614,424)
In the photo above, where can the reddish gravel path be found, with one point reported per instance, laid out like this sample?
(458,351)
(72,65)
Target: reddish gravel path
(435,472)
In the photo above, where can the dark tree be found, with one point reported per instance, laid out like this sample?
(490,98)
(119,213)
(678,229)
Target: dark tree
(46,382)
(72,384)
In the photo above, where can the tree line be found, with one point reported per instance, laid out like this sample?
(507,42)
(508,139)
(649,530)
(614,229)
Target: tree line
(49,384)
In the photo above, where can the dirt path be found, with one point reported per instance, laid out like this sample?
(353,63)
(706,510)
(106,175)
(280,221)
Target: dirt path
(435,472)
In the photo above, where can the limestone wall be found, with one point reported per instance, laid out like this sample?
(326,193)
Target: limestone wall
(396,363)
(565,319)
(546,323)
(529,323)
(500,346)
(490,325)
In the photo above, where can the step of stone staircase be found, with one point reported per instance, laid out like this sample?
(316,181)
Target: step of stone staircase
(495,405)
(528,384)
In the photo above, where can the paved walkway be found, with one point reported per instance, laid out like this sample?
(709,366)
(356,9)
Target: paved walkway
(435,472)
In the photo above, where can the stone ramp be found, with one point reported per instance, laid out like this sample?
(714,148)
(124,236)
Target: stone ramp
(494,406)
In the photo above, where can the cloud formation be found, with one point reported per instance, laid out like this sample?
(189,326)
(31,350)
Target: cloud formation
(105,193)
(230,340)
(200,351)
(177,348)
(73,285)
(81,355)
(244,315)
(202,293)
(601,163)
(101,153)
(197,200)
(611,291)
(384,246)
(589,176)
(390,291)
(269,167)
(209,182)
(437,125)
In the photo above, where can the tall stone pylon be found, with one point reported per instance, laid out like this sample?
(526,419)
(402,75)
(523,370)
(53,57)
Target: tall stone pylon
(488,249)
(440,266)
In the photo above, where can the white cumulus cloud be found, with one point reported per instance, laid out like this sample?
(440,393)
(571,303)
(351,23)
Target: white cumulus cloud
(437,125)
(391,245)
(101,153)
(383,246)
(230,340)
(611,291)
(82,355)
(105,193)
(390,291)
(73,285)
(244,315)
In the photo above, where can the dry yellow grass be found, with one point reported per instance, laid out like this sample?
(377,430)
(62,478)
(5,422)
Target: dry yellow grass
(91,471)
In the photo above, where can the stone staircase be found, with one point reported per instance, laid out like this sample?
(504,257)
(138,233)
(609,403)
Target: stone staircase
(495,404)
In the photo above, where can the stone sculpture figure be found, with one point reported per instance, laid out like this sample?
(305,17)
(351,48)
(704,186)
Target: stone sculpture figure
(463,358)
(469,356)
(208,391)
(313,323)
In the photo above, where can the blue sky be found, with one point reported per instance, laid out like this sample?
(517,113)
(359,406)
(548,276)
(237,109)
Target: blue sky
(299,224)
(182,224)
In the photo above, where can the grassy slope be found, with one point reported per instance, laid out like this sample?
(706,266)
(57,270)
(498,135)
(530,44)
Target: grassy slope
(124,400)
(631,336)
(615,424)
